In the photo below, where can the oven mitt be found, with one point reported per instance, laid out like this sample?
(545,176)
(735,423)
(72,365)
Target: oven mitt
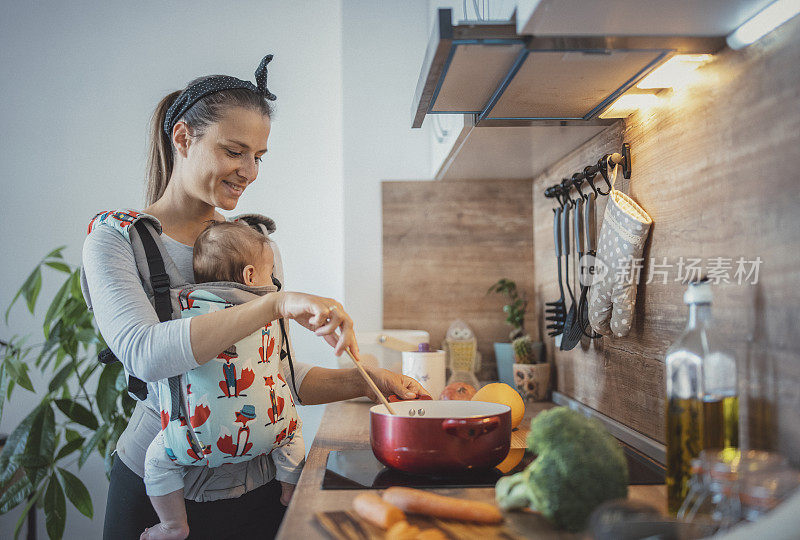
(612,296)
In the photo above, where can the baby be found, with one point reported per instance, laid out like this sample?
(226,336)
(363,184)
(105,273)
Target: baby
(224,251)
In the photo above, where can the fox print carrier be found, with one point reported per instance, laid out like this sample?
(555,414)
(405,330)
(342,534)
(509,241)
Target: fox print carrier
(236,406)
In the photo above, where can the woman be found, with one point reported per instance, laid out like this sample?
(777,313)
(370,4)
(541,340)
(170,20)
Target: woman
(207,142)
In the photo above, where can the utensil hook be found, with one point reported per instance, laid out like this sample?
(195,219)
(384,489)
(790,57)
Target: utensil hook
(603,166)
(576,181)
(566,185)
(561,199)
(589,174)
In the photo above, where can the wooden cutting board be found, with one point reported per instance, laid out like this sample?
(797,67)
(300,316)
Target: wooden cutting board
(519,437)
(347,525)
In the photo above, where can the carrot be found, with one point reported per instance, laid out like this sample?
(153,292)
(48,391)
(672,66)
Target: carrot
(416,501)
(377,511)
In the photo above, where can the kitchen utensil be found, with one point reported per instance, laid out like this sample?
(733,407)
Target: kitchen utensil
(396,344)
(370,382)
(590,232)
(427,367)
(441,437)
(573,332)
(565,243)
(557,311)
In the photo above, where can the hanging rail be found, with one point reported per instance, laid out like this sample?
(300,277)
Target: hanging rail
(561,190)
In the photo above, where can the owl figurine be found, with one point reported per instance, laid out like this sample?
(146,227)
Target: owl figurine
(462,353)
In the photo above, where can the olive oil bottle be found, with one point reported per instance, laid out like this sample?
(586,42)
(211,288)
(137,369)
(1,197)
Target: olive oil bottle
(702,409)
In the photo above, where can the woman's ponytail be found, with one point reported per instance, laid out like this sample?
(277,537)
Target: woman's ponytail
(159,158)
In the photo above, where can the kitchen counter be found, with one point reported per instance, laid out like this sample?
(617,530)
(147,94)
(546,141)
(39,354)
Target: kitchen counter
(345,426)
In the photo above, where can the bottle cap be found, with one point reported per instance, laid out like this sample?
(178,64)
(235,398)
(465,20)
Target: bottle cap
(698,292)
(424,347)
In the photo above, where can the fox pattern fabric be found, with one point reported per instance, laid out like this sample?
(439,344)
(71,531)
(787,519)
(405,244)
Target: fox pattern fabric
(239,404)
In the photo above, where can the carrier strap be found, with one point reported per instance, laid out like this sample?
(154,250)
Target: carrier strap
(159,279)
(289,355)
(175,397)
(278,284)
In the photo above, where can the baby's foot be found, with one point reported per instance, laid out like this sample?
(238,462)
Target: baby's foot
(162,531)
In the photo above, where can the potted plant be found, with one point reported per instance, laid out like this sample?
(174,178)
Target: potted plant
(84,408)
(531,370)
(515,317)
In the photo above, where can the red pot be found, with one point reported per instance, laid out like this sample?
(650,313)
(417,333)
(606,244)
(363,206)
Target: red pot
(440,437)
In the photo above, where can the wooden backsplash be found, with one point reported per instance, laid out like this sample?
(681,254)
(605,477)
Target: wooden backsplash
(444,244)
(716,167)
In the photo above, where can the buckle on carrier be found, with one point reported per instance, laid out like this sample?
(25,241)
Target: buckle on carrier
(160,283)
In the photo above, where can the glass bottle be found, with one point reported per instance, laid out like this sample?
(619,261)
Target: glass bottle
(702,409)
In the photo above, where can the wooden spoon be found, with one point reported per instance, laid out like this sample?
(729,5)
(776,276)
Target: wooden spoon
(370,382)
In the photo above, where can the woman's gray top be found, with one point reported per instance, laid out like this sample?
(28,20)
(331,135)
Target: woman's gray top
(152,350)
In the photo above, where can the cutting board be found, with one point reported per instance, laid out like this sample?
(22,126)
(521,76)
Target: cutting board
(519,437)
(347,525)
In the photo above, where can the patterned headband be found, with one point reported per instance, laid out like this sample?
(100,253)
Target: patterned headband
(217,83)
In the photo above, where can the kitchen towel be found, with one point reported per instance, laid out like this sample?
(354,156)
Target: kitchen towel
(612,296)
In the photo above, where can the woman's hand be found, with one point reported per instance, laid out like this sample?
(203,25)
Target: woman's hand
(323,316)
(389,382)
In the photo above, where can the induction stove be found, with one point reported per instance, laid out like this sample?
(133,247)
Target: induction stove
(360,469)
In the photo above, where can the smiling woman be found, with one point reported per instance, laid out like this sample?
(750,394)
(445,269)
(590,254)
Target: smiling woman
(206,144)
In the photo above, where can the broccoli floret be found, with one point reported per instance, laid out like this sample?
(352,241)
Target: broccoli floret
(578,466)
(511,492)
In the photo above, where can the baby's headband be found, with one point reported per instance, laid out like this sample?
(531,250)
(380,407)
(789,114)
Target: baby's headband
(217,83)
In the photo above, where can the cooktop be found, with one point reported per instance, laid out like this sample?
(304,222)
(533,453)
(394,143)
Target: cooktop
(360,469)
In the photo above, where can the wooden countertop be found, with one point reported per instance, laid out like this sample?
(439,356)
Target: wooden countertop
(345,426)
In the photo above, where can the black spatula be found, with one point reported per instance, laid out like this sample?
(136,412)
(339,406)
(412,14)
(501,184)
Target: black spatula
(556,311)
(572,329)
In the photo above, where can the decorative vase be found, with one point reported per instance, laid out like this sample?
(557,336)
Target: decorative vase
(504,354)
(532,381)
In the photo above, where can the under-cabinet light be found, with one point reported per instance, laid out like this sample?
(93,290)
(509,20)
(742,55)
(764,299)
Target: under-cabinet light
(676,72)
(628,104)
(763,22)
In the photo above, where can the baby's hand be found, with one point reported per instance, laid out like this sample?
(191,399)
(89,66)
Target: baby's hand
(286,493)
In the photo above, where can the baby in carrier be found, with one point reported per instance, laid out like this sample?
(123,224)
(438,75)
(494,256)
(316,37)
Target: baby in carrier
(205,419)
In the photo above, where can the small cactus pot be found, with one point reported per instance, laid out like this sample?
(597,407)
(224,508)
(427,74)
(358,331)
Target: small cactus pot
(532,381)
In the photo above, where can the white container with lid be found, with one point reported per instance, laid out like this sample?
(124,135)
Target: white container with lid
(427,367)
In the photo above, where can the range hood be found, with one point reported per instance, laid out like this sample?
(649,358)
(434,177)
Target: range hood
(506,78)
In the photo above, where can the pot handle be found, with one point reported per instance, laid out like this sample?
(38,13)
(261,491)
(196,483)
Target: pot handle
(470,428)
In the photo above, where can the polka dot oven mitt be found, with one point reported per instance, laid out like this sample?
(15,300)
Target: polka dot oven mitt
(612,296)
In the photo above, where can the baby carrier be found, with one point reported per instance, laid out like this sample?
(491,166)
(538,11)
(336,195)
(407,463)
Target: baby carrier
(235,406)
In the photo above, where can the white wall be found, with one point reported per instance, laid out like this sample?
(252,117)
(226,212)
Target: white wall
(383,47)
(80,80)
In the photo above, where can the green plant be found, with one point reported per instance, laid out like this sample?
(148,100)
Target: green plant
(515,309)
(578,466)
(69,422)
(523,350)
